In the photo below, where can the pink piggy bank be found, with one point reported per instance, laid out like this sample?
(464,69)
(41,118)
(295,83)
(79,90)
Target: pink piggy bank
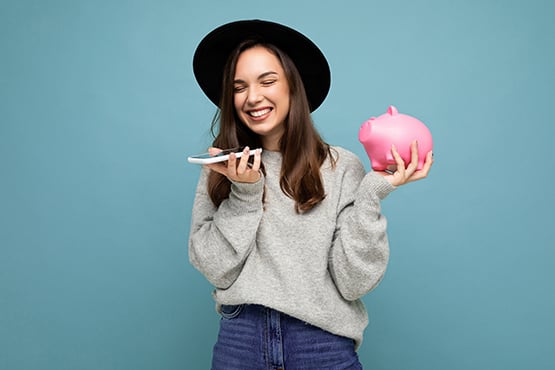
(377,135)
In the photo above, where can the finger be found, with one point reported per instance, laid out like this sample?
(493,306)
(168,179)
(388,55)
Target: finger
(398,160)
(428,164)
(413,165)
(231,165)
(423,173)
(257,160)
(242,167)
(213,151)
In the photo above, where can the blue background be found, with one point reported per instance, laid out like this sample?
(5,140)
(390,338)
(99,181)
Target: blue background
(99,109)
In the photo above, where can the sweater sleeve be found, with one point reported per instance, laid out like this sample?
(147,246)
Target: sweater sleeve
(360,249)
(221,238)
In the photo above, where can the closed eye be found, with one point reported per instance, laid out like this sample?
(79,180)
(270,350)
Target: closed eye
(239,88)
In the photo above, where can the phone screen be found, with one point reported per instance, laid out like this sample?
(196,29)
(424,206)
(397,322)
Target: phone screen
(223,152)
(206,158)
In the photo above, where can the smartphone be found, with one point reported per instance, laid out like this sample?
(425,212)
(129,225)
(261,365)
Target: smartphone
(206,158)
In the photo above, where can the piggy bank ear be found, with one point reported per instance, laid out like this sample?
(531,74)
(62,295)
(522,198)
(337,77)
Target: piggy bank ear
(392,111)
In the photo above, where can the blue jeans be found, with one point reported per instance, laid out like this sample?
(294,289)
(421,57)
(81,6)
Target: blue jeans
(254,337)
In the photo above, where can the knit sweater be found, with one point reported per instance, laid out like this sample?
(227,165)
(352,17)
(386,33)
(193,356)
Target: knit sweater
(314,266)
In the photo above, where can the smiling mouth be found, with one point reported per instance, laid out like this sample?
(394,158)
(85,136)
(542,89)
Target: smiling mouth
(259,113)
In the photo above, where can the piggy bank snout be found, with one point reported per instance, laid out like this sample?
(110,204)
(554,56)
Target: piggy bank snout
(364,134)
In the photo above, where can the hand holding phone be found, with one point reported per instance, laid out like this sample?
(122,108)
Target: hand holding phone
(207,158)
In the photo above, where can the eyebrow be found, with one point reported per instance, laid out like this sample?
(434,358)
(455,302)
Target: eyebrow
(262,76)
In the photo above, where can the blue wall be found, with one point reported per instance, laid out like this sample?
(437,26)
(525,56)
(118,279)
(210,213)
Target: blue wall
(99,109)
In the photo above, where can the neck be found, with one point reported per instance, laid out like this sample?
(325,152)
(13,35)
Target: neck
(271,144)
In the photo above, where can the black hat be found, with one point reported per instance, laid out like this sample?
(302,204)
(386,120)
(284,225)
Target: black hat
(213,51)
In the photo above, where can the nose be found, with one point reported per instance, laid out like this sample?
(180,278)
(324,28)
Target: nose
(254,96)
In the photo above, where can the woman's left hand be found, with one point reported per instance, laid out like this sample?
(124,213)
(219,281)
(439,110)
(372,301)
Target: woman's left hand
(404,175)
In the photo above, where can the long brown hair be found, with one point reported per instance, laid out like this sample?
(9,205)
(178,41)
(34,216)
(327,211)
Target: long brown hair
(302,148)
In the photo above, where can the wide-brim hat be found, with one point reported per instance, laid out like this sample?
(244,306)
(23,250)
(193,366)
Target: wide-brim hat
(213,52)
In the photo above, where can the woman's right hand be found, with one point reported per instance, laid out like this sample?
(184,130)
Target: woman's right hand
(238,170)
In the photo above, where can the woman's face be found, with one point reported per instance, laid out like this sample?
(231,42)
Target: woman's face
(261,94)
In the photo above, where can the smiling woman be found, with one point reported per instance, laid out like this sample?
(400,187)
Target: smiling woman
(293,238)
(262,94)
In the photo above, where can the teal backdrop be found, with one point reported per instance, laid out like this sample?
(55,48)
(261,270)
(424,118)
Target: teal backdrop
(99,110)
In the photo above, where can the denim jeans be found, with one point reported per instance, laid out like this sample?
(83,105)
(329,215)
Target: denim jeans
(254,337)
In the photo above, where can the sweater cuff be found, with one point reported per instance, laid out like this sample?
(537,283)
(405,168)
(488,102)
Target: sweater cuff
(246,191)
(377,184)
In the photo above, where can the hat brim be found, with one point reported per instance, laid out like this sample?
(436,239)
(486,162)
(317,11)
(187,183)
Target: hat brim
(213,51)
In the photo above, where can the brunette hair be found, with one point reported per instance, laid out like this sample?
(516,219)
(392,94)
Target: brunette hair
(302,148)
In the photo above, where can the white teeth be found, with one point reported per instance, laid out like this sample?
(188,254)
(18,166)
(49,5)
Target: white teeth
(259,113)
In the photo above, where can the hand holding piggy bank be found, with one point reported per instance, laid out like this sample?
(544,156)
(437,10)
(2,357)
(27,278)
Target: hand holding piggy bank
(377,135)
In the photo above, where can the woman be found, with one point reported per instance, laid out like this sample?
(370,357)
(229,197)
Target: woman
(291,237)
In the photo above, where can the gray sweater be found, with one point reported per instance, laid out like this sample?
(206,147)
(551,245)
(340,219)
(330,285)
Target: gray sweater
(313,266)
